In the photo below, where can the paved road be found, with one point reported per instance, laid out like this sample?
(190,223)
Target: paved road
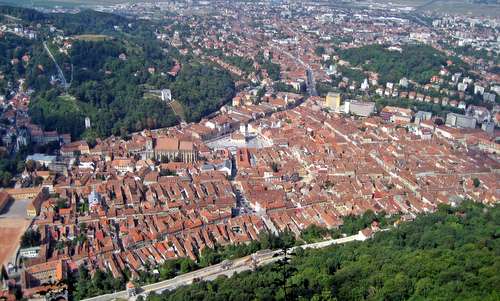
(310,81)
(212,272)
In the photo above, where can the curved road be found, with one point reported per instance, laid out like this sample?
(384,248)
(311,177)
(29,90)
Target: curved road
(212,272)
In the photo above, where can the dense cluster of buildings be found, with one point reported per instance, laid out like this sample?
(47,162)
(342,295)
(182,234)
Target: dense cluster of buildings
(270,161)
(119,208)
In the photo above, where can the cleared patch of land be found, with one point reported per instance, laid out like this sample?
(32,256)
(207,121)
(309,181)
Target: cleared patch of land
(92,37)
(11,230)
(178,109)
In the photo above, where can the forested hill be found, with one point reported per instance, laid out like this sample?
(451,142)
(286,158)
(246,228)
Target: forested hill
(453,254)
(113,64)
(416,62)
(86,21)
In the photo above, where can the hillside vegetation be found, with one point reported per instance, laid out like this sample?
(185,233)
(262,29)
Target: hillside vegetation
(453,254)
(415,62)
(109,76)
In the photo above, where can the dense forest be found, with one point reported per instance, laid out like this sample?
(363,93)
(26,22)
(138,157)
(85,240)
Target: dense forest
(12,48)
(452,254)
(13,67)
(86,21)
(111,75)
(106,89)
(202,89)
(415,62)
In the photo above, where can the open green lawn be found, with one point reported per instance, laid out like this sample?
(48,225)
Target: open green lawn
(178,109)
(92,37)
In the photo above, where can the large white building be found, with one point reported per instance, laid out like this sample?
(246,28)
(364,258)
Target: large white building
(460,121)
(362,109)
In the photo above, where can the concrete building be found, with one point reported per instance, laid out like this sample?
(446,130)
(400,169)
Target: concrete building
(362,109)
(333,101)
(422,116)
(166,95)
(460,121)
(30,252)
(481,114)
(487,96)
(488,127)
(44,273)
(42,159)
(87,123)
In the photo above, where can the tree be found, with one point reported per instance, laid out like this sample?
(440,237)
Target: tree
(167,172)
(461,263)
(319,50)
(31,166)
(313,233)
(438,121)
(37,181)
(187,265)
(416,62)
(167,270)
(30,238)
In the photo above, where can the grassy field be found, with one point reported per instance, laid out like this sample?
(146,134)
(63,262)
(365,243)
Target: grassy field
(92,37)
(178,109)
(69,101)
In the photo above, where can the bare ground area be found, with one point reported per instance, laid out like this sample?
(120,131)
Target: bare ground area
(13,223)
(11,230)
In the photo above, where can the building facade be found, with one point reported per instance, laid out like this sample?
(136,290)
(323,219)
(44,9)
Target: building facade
(333,101)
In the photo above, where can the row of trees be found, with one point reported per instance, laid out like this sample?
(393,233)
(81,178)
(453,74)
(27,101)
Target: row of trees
(448,255)
(83,285)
